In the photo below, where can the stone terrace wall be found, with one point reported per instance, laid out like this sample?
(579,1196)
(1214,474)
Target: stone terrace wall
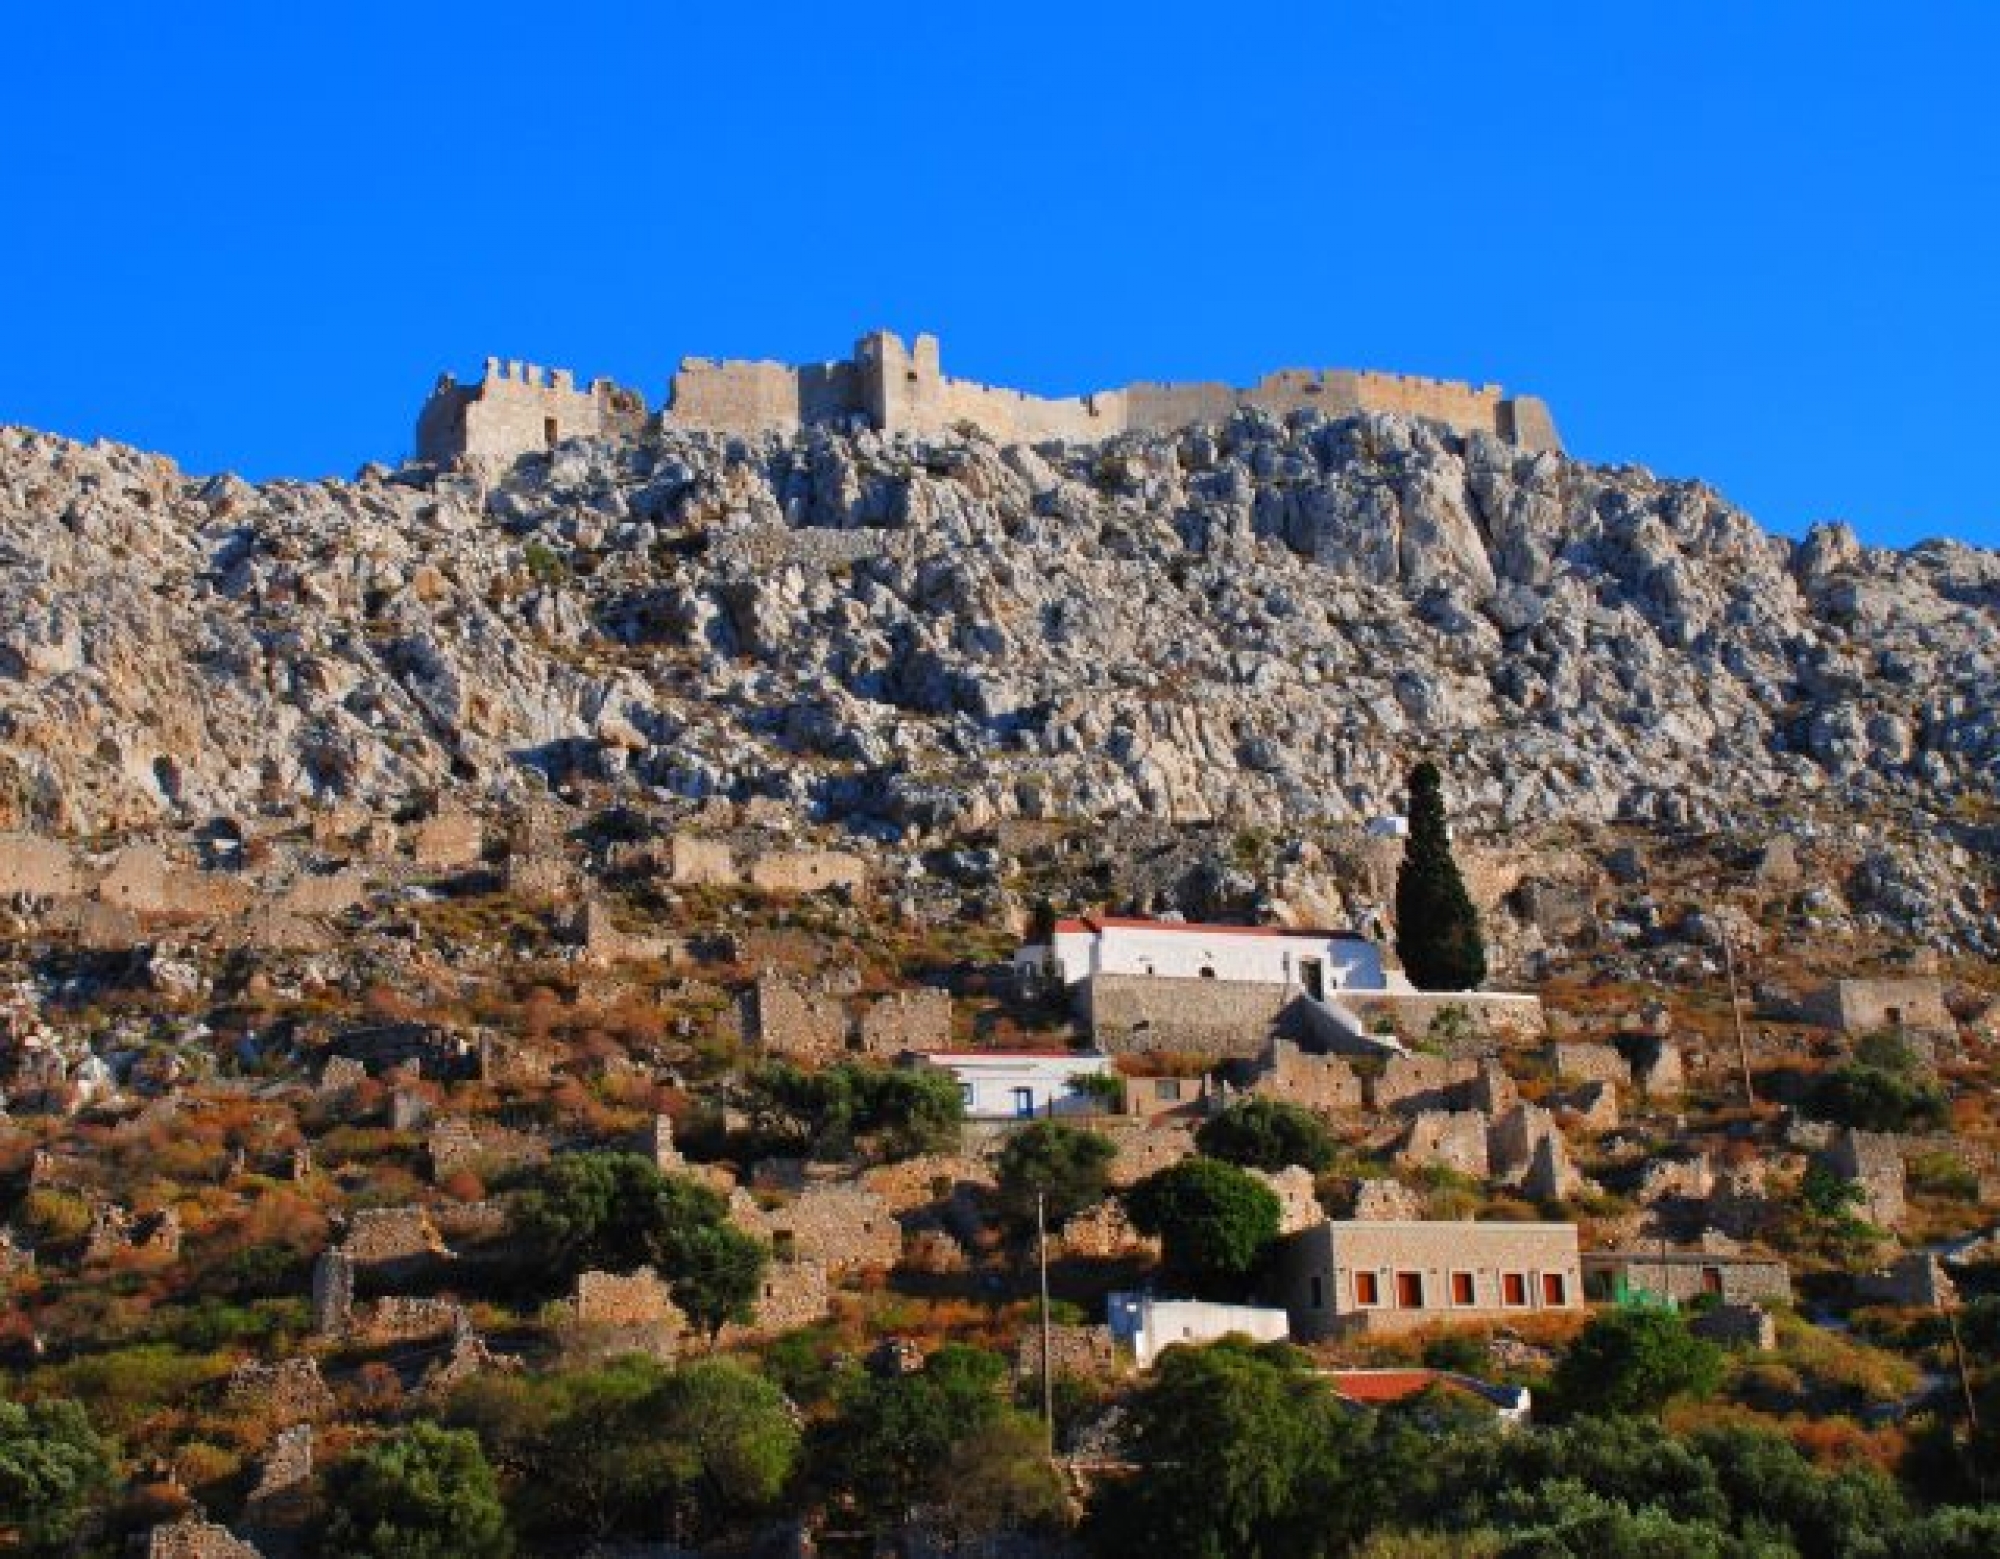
(1136,1014)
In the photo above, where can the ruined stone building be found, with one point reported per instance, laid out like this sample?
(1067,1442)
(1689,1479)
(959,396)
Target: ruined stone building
(896,388)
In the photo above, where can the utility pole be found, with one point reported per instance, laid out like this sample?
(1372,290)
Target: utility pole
(1736,1013)
(1048,1375)
(1965,1390)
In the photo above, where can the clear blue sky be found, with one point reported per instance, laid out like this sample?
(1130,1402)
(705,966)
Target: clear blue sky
(1755,243)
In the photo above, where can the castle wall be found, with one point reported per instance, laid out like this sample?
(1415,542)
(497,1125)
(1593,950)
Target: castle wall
(903,389)
(519,407)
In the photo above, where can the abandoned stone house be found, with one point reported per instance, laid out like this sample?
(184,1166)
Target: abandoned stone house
(1730,1276)
(1863,1006)
(1383,1276)
(517,408)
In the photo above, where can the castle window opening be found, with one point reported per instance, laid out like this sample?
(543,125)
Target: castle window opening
(550,431)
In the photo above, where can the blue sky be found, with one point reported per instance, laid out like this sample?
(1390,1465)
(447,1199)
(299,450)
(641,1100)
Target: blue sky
(1754,243)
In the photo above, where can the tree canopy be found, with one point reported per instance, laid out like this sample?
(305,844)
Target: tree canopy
(617,1211)
(900,1441)
(53,1467)
(1635,1361)
(420,1493)
(886,1113)
(1215,1222)
(1268,1134)
(1437,928)
(632,1448)
(1066,1164)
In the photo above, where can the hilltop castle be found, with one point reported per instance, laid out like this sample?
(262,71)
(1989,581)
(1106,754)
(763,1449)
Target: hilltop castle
(518,407)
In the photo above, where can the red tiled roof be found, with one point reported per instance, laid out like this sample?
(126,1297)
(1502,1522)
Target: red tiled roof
(1386,1385)
(1097,923)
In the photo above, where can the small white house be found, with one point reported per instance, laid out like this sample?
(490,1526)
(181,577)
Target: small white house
(1021,1084)
(1148,1326)
(1318,962)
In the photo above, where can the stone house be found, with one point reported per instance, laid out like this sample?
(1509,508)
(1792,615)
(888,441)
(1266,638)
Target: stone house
(842,1226)
(1382,1276)
(1862,1006)
(1680,1275)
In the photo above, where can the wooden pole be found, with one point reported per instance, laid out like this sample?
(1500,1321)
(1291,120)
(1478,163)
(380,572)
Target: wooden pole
(1048,1376)
(1736,1014)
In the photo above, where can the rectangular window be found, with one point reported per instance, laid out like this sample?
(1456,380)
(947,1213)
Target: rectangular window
(1554,1290)
(1366,1290)
(1461,1288)
(965,1095)
(1410,1290)
(1513,1288)
(1319,1292)
(1711,1281)
(1167,1088)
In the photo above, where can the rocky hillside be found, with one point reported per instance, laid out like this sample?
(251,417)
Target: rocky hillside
(1260,622)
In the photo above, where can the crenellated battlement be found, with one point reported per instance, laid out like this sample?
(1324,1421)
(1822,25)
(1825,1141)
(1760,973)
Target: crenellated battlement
(886,385)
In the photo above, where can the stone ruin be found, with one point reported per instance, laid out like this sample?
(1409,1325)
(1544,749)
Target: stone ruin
(599,941)
(518,408)
(114,1231)
(1589,1063)
(813,1018)
(1144,1148)
(843,1226)
(1916,1279)
(448,840)
(281,1499)
(1387,1201)
(332,1293)
(1874,1162)
(192,1538)
(1104,1232)
(1323,1083)
(627,1313)
(457,1144)
(1447,1139)
(289,1391)
(1736,1325)
(1084,1351)
(698,861)
(1298,1202)
(392,1244)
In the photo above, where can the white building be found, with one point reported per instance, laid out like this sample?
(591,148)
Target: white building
(1148,1326)
(1021,1084)
(1318,962)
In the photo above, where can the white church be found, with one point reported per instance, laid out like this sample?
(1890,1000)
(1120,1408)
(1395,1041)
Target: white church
(1320,963)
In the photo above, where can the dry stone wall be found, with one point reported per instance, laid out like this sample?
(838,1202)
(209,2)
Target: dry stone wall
(1140,1014)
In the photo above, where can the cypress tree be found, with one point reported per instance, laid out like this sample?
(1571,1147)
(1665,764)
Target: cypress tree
(1437,929)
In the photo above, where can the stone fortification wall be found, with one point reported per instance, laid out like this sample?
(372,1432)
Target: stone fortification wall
(903,389)
(518,407)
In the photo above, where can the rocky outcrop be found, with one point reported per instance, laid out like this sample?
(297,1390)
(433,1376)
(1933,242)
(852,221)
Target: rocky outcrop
(1254,621)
